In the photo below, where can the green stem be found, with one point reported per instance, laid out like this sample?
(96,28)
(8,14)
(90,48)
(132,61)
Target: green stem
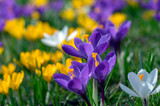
(120,59)
(95,92)
(20,98)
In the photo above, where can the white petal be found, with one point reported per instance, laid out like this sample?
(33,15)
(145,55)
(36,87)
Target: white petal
(72,35)
(46,35)
(50,43)
(152,77)
(145,89)
(145,73)
(156,90)
(134,81)
(127,90)
(65,31)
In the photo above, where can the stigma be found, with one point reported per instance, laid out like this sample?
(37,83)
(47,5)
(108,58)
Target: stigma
(141,77)
(94,55)
(71,71)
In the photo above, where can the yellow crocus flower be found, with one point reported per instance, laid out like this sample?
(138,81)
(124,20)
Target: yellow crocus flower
(8,69)
(117,19)
(68,14)
(39,3)
(15,27)
(4,84)
(64,68)
(47,72)
(1,50)
(16,80)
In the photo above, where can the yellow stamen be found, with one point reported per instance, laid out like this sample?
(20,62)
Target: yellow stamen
(86,37)
(71,71)
(94,55)
(141,77)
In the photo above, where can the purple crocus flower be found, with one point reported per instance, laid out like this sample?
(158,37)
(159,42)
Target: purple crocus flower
(116,34)
(0,44)
(2,24)
(157,16)
(102,9)
(97,43)
(101,69)
(79,75)
(57,5)
(28,10)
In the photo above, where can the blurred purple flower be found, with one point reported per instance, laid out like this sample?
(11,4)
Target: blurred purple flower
(116,34)
(28,10)
(2,24)
(102,9)
(57,5)
(97,43)
(79,75)
(0,44)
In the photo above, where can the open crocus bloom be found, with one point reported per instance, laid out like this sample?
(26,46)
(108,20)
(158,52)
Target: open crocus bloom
(143,84)
(96,42)
(58,37)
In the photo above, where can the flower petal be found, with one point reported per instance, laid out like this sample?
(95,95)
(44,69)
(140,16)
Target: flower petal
(127,90)
(94,38)
(50,42)
(156,90)
(71,51)
(79,65)
(145,89)
(72,35)
(101,48)
(135,82)
(75,85)
(77,42)
(152,77)
(145,73)
(86,49)
(62,79)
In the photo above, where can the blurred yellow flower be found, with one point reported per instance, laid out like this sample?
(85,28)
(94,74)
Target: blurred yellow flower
(39,3)
(57,56)
(86,22)
(4,84)
(64,68)
(34,32)
(117,19)
(82,3)
(15,27)
(8,69)
(1,50)
(47,72)
(68,14)
(16,80)
(132,2)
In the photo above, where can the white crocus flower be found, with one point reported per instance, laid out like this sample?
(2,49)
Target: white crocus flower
(58,37)
(143,84)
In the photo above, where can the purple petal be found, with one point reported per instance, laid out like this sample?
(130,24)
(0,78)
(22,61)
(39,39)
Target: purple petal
(123,29)
(101,48)
(101,71)
(94,38)
(77,42)
(86,49)
(61,79)
(71,51)
(79,65)
(104,39)
(75,85)
(111,58)
(76,71)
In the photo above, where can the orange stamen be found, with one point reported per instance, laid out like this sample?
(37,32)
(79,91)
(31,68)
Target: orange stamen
(71,71)
(141,77)
(101,26)
(94,55)
(86,37)
(96,10)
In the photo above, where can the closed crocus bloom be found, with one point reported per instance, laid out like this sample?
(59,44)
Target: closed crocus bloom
(8,69)
(47,72)
(143,84)
(16,80)
(79,75)
(4,84)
